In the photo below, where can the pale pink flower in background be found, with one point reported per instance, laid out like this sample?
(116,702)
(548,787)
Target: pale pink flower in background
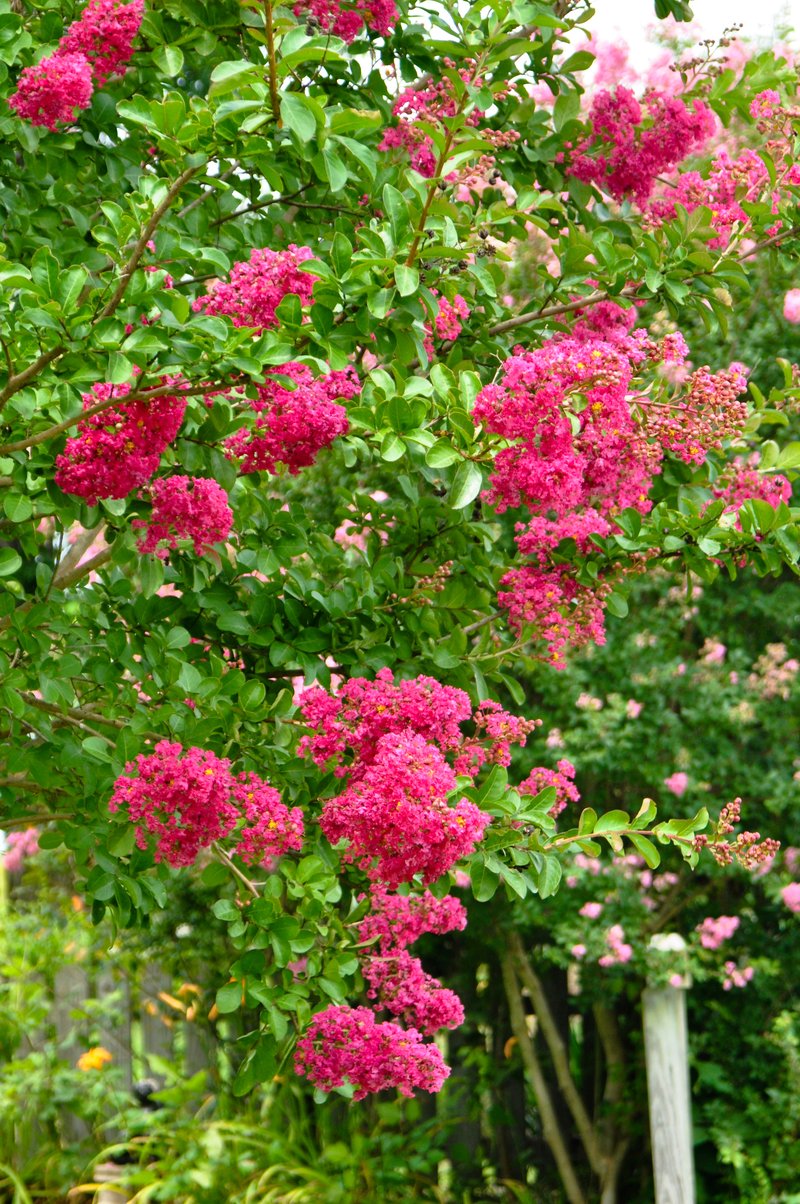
(791,306)
(680,669)
(578,951)
(554,738)
(585,702)
(713,652)
(677,783)
(19,845)
(633,709)
(714,931)
(736,977)
(591,910)
(791,896)
(619,952)
(676,980)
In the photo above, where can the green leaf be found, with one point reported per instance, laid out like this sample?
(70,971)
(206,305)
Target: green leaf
(258,1066)
(441,455)
(467,484)
(298,116)
(646,848)
(226,77)
(484,882)
(612,821)
(406,279)
(392,447)
(229,998)
(396,206)
(10,561)
(549,876)
(168,59)
(18,507)
(123,843)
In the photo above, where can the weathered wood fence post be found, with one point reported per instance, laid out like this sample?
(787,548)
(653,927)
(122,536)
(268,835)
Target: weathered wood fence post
(667,1056)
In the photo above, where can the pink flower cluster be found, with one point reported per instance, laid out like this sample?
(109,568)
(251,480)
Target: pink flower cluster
(571,470)
(348,1045)
(791,306)
(19,845)
(729,183)
(104,33)
(348,726)
(789,894)
(748,849)
(293,424)
(397,921)
(419,106)
(194,508)
(397,982)
(390,741)
(119,448)
(50,91)
(255,287)
(714,931)
(99,44)
(741,482)
(447,322)
(735,977)
(677,783)
(774,673)
(582,446)
(347,21)
(189,798)
(562,778)
(396,816)
(630,146)
(618,951)
(706,414)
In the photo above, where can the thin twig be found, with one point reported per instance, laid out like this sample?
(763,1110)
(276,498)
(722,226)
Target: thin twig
(272,69)
(140,247)
(237,873)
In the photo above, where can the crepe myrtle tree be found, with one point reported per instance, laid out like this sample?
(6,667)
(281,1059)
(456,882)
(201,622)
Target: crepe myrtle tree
(293,475)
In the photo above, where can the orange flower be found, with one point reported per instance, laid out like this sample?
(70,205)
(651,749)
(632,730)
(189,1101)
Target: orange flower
(94,1059)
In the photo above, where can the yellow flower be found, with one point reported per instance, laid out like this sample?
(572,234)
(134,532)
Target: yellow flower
(94,1059)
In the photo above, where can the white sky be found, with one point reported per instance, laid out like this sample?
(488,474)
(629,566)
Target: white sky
(760,19)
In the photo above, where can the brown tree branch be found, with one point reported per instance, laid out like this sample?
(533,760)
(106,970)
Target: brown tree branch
(147,233)
(533,1069)
(558,1053)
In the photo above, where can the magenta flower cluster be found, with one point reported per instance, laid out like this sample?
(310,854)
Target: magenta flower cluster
(349,1045)
(562,779)
(348,20)
(255,287)
(347,727)
(632,143)
(396,817)
(193,508)
(294,421)
(187,798)
(119,448)
(96,46)
(390,1056)
(582,446)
